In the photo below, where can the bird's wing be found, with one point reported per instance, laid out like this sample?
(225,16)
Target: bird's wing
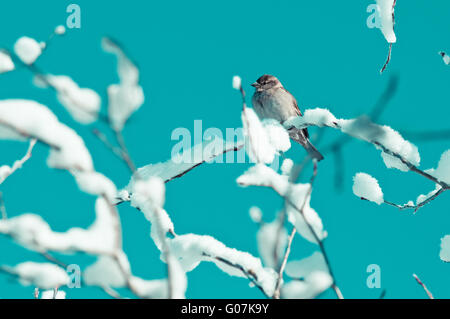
(297,111)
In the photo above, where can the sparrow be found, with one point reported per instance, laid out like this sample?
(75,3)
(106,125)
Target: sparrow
(272,101)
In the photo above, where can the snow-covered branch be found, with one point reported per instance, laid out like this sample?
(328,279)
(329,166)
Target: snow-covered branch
(41,275)
(386,10)
(395,150)
(6,171)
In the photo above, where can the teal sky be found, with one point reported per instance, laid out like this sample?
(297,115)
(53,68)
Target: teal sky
(188,52)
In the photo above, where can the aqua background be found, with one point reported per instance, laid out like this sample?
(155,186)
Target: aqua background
(188,52)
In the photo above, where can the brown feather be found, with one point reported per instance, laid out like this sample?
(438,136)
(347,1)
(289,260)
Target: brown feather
(297,110)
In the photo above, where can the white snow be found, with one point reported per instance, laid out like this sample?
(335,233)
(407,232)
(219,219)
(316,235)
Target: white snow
(237,82)
(261,175)
(313,219)
(105,271)
(83,104)
(50,294)
(257,141)
(445,249)
(386,10)
(34,233)
(6,171)
(152,189)
(365,186)
(362,128)
(178,278)
(287,166)
(442,172)
(445,58)
(159,288)
(150,289)
(27,49)
(267,239)
(255,214)
(126,97)
(182,163)
(421,198)
(6,64)
(148,196)
(302,268)
(34,120)
(314,274)
(191,249)
(60,30)
(96,184)
(41,275)
(316,117)
(311,287)
(277,134)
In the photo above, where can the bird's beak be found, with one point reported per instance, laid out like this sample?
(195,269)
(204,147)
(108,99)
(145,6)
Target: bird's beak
(255,85)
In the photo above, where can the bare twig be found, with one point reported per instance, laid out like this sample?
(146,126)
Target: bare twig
(429,294)
(36,293)
(125,154)
(388,59)
(19,163)
(276,294)
(316,236)
(418,206)
(248,273)
(104,139)
(390,44)
(104,118)
(412,167)
(294,176)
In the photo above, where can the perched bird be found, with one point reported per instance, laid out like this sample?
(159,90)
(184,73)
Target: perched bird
(271,100)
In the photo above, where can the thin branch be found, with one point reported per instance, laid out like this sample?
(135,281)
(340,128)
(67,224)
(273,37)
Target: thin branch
(125,154)
(316,236)
(41,76)
(429,294)
(104,139)
(108,290)
(418,206)
(248,273)
(411,166)
(234,149)
(36,293)
(19,163)
(388,59)
(276,294)
(53,260)
(390,44)
(294,176)
(104,118)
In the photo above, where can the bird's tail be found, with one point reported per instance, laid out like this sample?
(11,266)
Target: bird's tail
(300,137)
(312,151)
